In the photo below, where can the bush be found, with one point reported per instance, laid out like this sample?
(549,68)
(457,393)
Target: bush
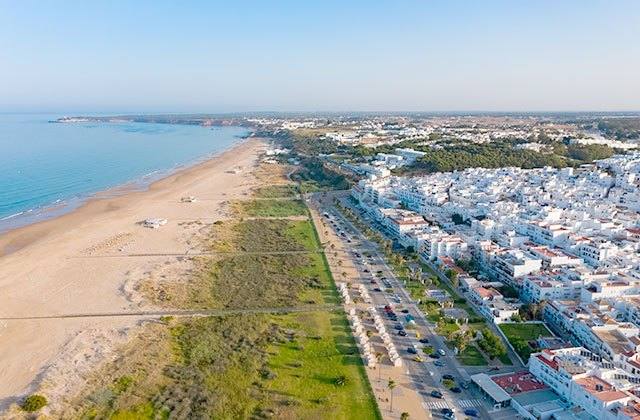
(34,403)
(340,380)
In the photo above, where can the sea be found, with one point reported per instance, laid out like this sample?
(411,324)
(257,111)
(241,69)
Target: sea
(49,168)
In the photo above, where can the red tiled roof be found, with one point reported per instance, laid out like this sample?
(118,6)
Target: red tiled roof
(551,363)
(516,383)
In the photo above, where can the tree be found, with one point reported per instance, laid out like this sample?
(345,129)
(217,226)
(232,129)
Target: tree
(532,311)
(391,385)
(416,274)
(404,416)
(453,277)
(461,341)
(492,344)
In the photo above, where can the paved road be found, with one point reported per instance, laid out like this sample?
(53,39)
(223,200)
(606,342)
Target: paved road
(425,375)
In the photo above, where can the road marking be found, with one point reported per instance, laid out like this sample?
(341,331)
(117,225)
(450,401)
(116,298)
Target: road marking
(470,403)
(432,405)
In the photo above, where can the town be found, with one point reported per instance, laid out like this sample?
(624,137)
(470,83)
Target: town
(548,256)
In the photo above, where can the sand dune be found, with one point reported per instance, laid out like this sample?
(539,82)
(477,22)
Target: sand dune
(88,261)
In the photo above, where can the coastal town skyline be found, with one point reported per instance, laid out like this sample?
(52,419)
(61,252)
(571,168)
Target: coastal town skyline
(362,210)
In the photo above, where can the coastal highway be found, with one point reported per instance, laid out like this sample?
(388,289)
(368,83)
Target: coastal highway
(426,376)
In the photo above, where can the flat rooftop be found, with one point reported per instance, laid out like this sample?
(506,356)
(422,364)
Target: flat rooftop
(518,382)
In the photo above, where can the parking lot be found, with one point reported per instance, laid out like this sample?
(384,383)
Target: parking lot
(437,377)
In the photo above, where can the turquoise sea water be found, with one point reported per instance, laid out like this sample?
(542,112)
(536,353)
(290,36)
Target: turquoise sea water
(48,168)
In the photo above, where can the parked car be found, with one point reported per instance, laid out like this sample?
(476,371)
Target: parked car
(377,289)
(424,340)
(442,353)
(402,333)
(434,356)
(418,359)
(436,394)
(405,311)
(438,363)
(471,412)
(412,350)
(456,390)
(447,413)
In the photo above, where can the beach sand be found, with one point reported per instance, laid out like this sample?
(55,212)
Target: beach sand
(88,261)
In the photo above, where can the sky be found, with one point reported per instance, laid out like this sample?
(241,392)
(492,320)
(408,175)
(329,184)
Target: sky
(307,55)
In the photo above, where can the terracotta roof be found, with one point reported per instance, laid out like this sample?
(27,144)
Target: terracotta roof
(549,362)
(600,389)
(516,383)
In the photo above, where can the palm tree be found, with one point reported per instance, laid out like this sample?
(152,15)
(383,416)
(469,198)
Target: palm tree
(391,384)
(379,359)
(404,416)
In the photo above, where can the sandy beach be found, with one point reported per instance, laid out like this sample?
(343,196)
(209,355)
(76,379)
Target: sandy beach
(89,262)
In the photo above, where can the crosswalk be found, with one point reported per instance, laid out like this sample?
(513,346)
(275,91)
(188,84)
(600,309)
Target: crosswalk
(440,404)
(430,405)
(470,403)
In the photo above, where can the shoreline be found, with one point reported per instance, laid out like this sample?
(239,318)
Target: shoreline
(94,259)
(61,207)
(12,239)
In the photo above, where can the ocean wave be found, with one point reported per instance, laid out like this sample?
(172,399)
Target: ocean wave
(11,216)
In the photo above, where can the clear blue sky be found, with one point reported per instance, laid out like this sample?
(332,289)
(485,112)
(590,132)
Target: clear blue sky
(193,56)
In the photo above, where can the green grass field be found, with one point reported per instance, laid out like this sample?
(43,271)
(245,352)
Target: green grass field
(277,191)
(471,356)
(273,208)
(520,334)
(525,331)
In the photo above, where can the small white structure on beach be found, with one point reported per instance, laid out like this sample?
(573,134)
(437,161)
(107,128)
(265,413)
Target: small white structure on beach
(235,170)
(154,223)
(188,199)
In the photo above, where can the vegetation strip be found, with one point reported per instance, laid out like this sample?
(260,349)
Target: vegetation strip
(251,363)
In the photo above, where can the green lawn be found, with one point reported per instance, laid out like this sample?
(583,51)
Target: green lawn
(273,208)
(277,191)
(307,369)
(520,334)
(304,233)
(471,356)
(447,328)
(525,331)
